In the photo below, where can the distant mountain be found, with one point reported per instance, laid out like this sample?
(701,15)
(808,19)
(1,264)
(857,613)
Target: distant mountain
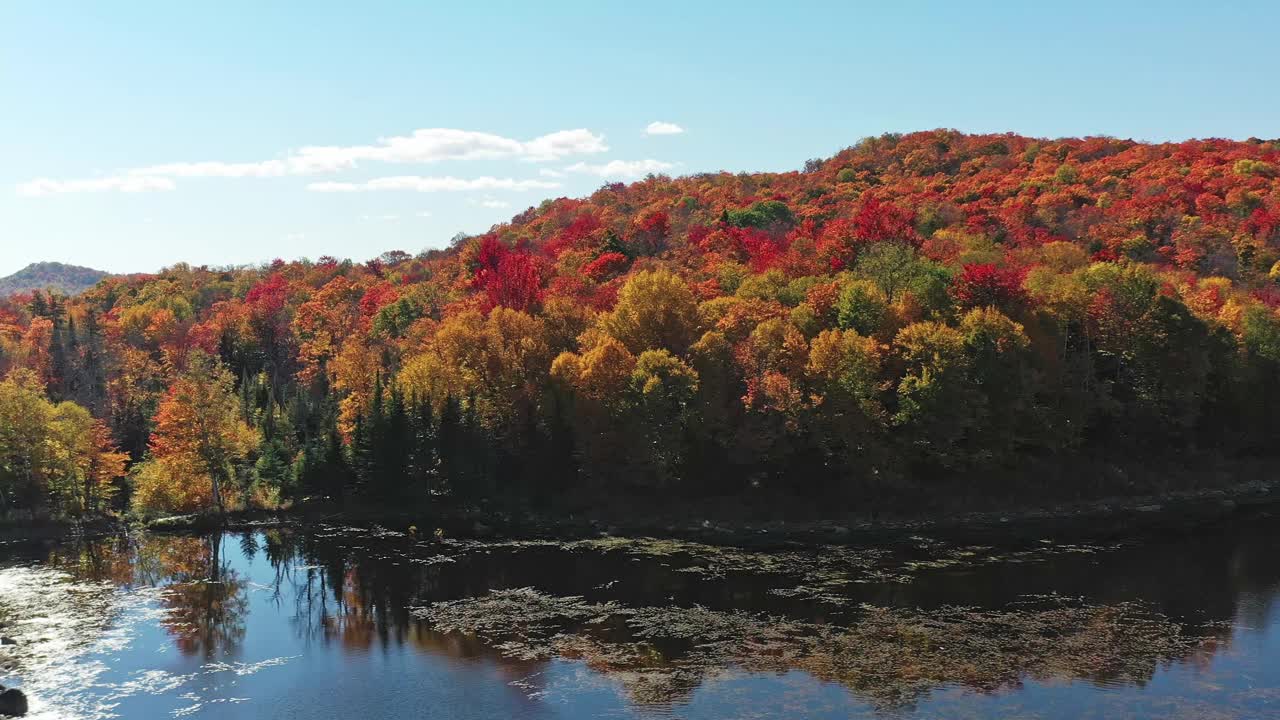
(70,279)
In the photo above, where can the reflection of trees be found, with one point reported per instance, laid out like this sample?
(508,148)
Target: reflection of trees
(354,596)
(206,598)
(888,657)
(674,622)
(358,593)
(106,560)
(354,591)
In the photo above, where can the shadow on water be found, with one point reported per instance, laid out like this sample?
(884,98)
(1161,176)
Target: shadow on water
(665,623)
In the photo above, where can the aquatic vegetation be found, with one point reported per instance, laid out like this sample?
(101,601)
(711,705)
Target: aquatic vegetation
(563,621)
(822,573)
(888,656)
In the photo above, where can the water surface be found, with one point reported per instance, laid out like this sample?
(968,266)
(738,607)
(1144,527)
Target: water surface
(370,623)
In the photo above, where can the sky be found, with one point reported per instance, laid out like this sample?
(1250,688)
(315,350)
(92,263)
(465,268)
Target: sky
(134,135)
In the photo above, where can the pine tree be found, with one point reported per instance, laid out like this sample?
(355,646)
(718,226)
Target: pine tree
(391,457)
(38,306)
(336,475)
(361,456)
(615,244)
(423,452)
(449,439)
(93,384)
(59,367)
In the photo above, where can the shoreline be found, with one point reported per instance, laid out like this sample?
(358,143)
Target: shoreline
(1093,520)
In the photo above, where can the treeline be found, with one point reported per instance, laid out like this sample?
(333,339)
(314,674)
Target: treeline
(913,315)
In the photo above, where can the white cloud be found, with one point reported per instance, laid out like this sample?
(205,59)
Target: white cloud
(491,202)
(269,168)
(564,143)
(662,128)
(424,213)
(293,237)
(548,172)
(419,183)
(423,146)
(380,218)
(116,183)
(621,168)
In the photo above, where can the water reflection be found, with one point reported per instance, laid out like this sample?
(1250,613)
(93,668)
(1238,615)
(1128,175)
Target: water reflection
(899,630)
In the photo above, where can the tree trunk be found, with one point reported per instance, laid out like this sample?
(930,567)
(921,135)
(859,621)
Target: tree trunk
(217,493)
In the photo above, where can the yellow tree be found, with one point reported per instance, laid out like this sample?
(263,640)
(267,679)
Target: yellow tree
(655,311)
(499,361)
(58,453)
(25,454)
(87,462)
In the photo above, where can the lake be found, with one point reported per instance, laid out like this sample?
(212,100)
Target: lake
(345,622)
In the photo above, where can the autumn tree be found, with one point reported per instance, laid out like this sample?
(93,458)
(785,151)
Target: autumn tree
(200,440)
(655,311)
(54,456)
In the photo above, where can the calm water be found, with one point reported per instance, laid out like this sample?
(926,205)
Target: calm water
(365,623)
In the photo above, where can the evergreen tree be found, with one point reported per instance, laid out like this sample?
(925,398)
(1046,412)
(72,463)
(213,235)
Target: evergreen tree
(423,452)
(391,443)
(335,474)
(615,244)
(361,457)
(59,367)
(449,440)
(92,389)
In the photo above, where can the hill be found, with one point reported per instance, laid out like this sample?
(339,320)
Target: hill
(918,318)
(68,279)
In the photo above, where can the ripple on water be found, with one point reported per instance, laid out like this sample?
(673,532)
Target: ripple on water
(68,634)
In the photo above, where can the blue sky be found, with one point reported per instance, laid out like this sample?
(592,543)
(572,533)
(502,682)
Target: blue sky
(137,134)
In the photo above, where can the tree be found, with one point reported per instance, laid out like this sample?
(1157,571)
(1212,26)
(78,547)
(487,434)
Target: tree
(862,307)
(1001,370)
(500,359)
(984,284)
(661,391)
(846,368)
(198,440)
(893,267)
(655,311)
(937,405)
(87,463)
(51,455)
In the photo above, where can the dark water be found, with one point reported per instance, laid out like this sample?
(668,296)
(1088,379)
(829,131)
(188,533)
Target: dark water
(331,622)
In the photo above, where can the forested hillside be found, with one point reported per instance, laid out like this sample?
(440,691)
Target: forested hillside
(914,313)
(59,277)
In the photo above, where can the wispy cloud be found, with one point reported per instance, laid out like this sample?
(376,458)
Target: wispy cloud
(419,183)
(621,168)
(662,128)
(491,202)
(380,218)
(116,183)
(424,146)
